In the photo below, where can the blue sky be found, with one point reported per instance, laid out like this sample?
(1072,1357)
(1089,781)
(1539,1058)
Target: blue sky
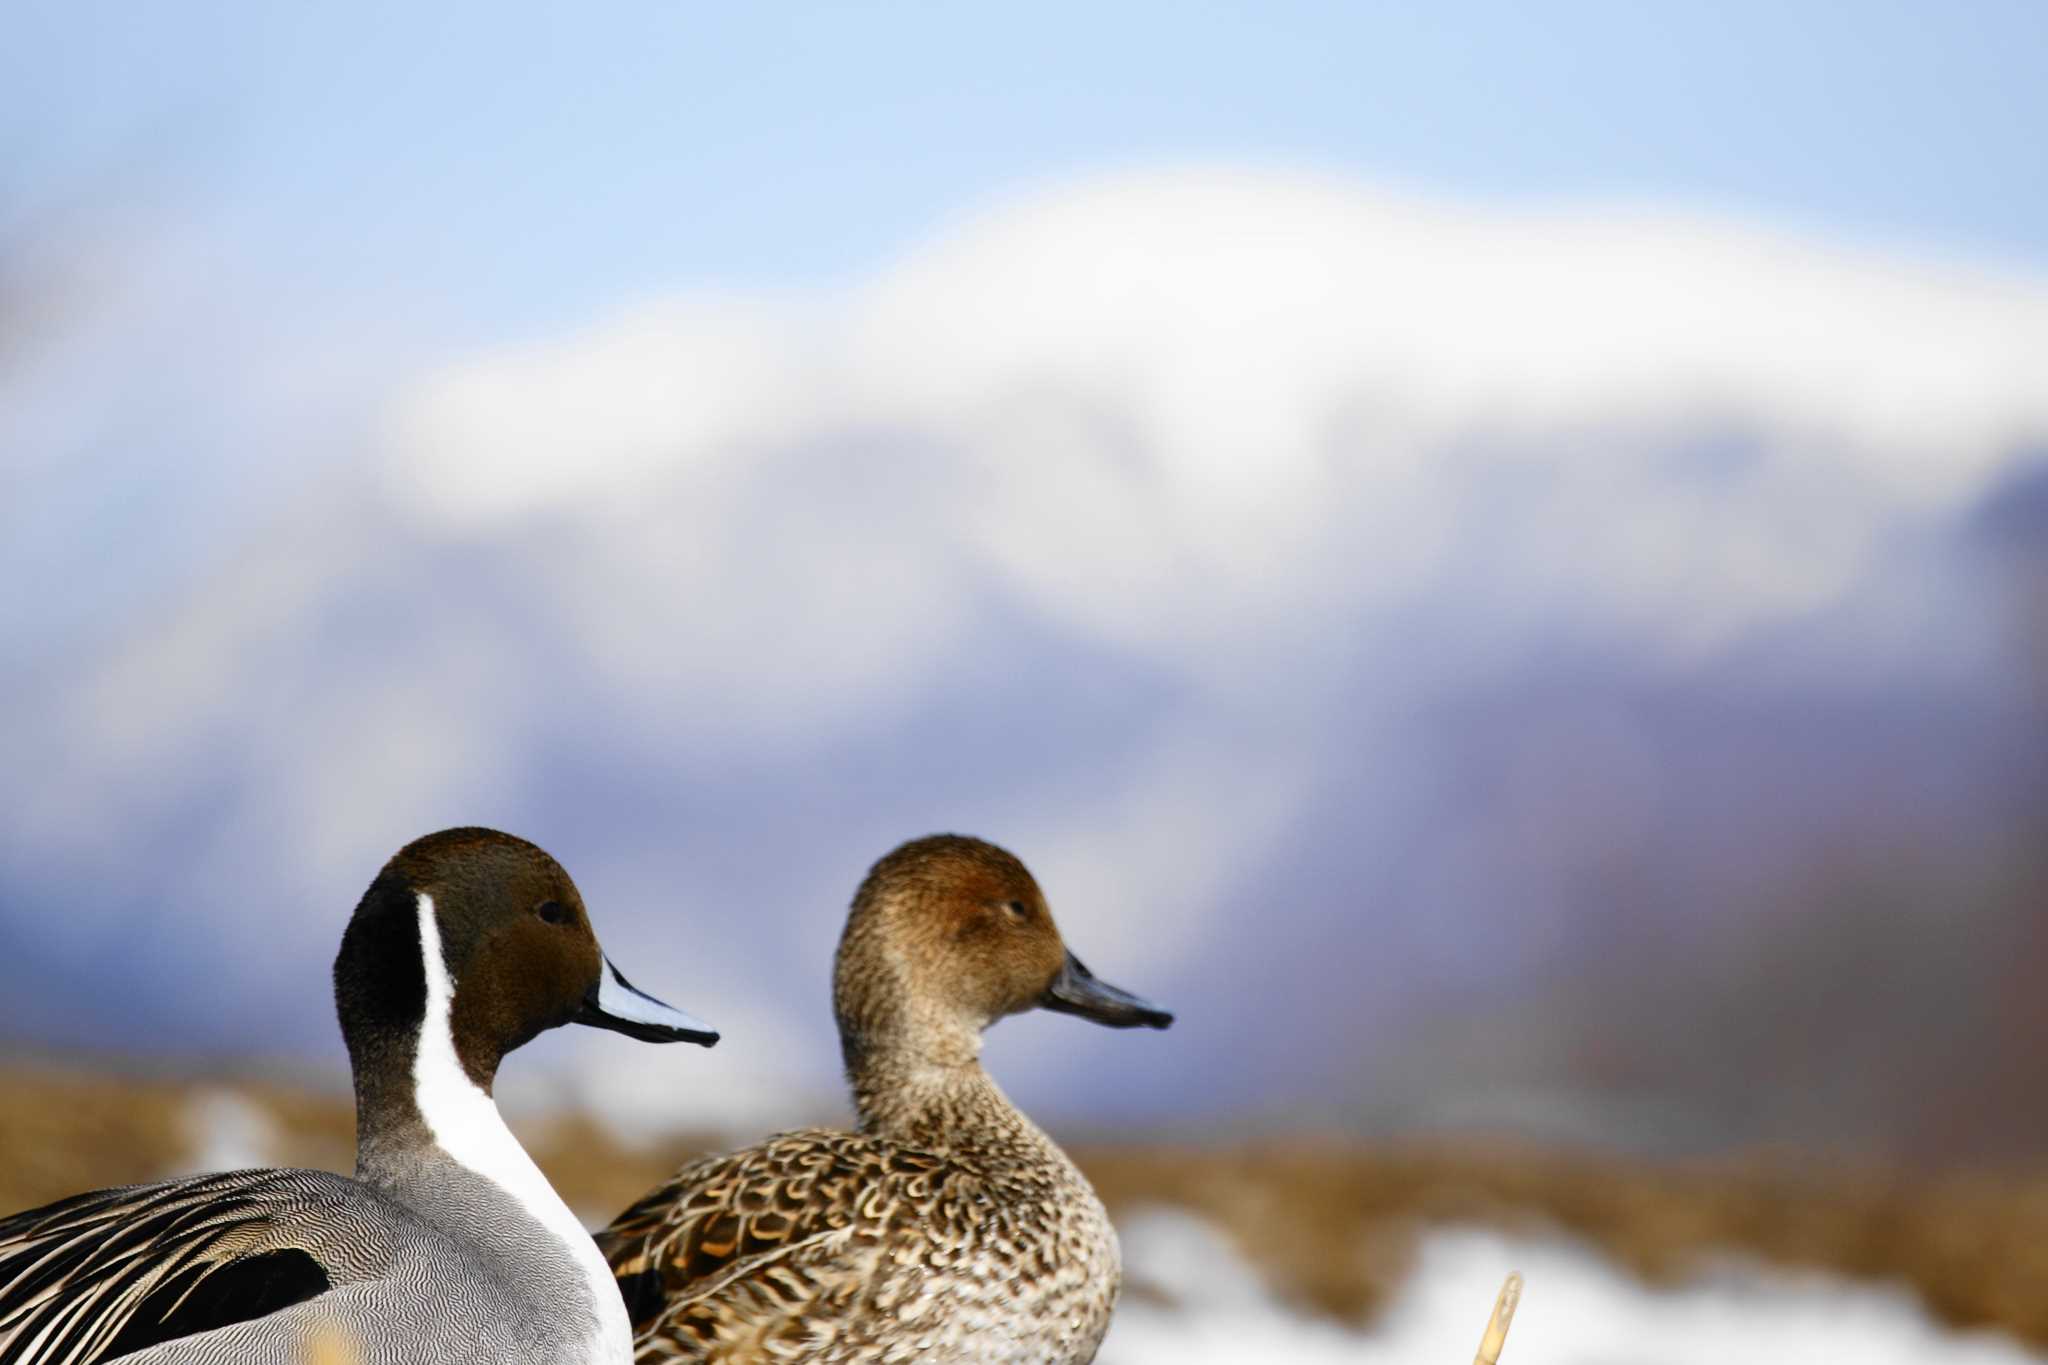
(525,164)
(1247,459)
(365,185)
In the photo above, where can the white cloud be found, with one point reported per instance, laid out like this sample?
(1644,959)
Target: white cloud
(669,392)
(1161,405)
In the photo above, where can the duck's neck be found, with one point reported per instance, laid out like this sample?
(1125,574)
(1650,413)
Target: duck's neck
(433,1138)
(929,1096)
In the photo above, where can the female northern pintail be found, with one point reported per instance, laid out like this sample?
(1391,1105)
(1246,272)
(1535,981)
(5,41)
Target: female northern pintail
(449,1245)
(948,1228)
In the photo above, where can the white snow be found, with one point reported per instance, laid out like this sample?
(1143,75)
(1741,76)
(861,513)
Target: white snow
(1577,1309)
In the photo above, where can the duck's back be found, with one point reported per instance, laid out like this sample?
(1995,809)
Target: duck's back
(242,1266)
(830,1247)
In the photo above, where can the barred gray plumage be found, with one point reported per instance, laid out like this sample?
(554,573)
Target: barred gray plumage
(448,1246)
(83,1272)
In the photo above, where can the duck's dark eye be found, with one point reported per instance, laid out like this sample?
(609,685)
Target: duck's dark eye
(552,912)
(1017,910)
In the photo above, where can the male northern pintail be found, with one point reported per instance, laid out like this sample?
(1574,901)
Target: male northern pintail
(948,1228)
(449,1245)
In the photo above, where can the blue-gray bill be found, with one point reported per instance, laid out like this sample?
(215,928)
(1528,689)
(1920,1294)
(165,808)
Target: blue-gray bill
(616,1003)
(1076,990)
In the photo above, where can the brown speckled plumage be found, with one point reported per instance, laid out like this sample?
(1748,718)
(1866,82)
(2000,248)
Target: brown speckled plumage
(948,1228)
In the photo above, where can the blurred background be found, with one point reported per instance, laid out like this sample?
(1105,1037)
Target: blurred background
(1494,558)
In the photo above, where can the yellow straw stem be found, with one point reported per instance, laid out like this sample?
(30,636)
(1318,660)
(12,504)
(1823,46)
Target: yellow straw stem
(329,1345)
(1497,1325)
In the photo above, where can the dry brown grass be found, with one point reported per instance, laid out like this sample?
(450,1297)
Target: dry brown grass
(64,1131)
(1333,1225)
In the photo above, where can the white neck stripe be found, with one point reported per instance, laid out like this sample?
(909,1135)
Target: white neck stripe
(464,1122)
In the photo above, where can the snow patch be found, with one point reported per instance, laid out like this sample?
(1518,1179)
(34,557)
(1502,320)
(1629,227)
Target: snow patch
(1208,1305)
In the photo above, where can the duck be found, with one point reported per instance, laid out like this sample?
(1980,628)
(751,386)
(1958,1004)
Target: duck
(946,1227)
(448,1244)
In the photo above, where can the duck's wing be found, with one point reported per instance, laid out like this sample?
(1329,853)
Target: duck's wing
(103,1274)
(750,1246)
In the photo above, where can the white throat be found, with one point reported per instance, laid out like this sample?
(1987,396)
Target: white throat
(465,1123)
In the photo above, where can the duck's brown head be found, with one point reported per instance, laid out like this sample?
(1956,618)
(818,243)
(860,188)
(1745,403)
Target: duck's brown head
(482,937)
(949,934)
